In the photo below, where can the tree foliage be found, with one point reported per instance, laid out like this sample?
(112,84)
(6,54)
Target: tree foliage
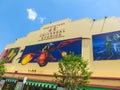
(2,68)
(73,72)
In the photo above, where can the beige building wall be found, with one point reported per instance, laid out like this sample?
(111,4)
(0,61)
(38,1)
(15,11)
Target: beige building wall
(81,28)
(84,28)
(72,30)
(105,68)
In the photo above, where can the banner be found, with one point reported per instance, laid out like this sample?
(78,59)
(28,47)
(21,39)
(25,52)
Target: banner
(106,46)
(50,52)
(9,54)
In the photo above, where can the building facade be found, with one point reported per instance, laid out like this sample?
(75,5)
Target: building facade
(96,41)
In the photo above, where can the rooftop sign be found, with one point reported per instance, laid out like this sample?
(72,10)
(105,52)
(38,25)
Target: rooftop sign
(54,31)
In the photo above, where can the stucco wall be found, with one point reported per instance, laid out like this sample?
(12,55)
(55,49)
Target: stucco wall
(81,28)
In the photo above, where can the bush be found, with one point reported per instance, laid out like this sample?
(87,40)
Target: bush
(2,68)
(73,72)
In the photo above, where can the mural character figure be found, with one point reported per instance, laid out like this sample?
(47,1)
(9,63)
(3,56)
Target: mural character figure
(116,37)
(45,55)
(27,58)
(108,44)
(12,54)
(9,54)
(116,44)
(109,48)
(4,54)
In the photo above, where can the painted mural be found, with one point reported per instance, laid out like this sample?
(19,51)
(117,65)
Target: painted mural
(50,52)
(106,46)
(9,54)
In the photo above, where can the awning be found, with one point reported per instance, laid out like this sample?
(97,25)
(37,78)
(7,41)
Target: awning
(41,84)
(11,80)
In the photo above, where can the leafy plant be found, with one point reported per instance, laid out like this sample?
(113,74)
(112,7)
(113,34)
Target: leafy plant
(73,72)
(2,68)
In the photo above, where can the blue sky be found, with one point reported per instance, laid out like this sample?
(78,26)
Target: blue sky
(19,17)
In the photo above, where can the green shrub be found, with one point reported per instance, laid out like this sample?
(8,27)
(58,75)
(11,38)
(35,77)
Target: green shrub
(2,68)
(73,72)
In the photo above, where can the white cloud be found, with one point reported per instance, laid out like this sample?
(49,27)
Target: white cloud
(32,15)
(42,19)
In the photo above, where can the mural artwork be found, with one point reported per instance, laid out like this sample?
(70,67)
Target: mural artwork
(9,54)
(106,46)
(50,52)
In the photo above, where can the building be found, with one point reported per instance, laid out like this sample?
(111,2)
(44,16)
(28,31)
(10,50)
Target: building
(96,41)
